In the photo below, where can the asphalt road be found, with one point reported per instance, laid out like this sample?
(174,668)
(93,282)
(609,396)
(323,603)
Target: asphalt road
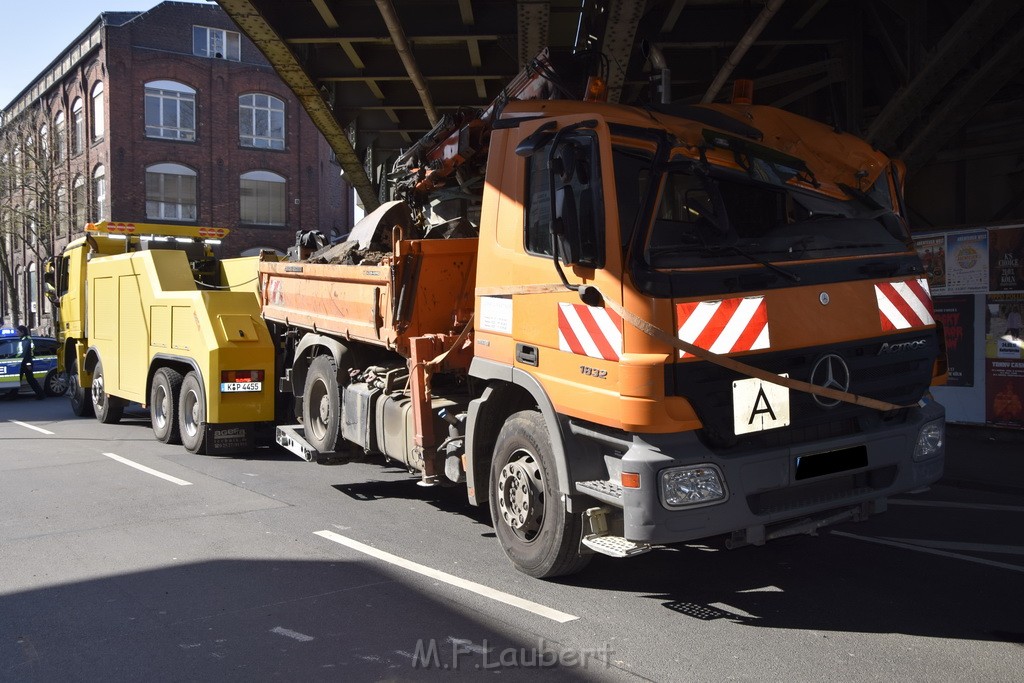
(269,568)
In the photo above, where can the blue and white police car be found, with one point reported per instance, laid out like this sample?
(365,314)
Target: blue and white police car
(44,364)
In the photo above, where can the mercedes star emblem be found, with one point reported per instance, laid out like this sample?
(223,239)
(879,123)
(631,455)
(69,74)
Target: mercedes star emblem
(830,372)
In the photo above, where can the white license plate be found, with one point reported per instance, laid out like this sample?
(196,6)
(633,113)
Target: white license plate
(235,387)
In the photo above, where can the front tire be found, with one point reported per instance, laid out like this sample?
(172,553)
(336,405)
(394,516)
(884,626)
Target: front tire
(535,530)
(108,409)
(55,384)
(321,405)
(163,405)
(81,401)
(192,414)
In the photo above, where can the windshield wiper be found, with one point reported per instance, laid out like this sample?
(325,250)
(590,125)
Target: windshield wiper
(863,197)
(753,258)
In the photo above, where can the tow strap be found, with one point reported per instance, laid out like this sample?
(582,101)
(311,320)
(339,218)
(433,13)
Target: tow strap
(718,359)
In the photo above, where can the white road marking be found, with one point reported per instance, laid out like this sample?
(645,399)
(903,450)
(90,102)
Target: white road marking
(763,589)
(471,586)
(288,633)
(732,610)
(33,427)
(148,470)
(959,506)
(467,645)
(966,547)
(932,551)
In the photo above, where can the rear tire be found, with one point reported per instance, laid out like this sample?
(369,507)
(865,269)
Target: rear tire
(537,533)
(321,405)
(81,400)
(192,414)
(163,405)
(108,409)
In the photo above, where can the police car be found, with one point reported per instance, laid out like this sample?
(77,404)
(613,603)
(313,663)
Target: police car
(44,364)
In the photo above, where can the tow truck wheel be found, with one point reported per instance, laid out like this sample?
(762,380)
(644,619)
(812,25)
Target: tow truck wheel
(108,409)
(81,401)
(192,414)
(321,405)
(163,405)
(535,530)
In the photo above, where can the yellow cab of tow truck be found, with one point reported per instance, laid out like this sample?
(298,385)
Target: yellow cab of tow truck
(148,315)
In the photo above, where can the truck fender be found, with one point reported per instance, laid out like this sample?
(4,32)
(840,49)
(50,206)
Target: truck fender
(503,397)
(178,363)
(301,363)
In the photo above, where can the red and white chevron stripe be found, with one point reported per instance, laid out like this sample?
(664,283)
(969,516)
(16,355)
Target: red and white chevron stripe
(903,305)
(725,326)
(589,331)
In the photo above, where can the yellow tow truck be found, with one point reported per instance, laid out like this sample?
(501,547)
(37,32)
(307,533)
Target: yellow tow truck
(148,315)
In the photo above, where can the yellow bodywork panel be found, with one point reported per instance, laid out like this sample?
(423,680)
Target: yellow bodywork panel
(144,310)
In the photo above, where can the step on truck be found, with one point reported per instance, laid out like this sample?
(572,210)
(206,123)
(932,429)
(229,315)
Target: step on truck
(148,315)
(665,324)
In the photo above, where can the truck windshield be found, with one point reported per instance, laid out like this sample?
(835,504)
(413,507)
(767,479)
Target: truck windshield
(723,218)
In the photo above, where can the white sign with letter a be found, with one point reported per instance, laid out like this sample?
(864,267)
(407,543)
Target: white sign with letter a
(758,405)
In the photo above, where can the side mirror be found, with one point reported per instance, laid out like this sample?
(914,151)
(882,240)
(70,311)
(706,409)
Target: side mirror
(536,140)
(575,228)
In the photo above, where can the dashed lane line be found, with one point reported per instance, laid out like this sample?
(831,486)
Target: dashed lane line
(931,551)
(148,470)
(26,425)
(465,584)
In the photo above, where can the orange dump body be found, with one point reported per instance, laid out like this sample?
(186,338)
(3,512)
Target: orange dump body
(425,288)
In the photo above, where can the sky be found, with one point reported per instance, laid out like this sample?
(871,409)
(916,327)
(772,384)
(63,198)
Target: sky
(33,33)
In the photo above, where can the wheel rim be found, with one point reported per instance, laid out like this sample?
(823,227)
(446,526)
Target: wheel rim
(97,391)
(320,410)
(191,412)
(161,407)
(57,384)
(521,495)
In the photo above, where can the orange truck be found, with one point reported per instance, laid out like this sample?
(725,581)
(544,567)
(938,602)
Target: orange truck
(671,323)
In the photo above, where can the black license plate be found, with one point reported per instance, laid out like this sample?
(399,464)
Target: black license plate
(820,464)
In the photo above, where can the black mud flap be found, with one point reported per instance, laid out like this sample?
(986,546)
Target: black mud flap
(223,439)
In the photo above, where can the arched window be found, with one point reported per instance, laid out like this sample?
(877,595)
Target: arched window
(262,196)
(261,121)
(170,192)
(78,203)
(44,142)
(99,194)
(60,136)
(61,211)
(98,115)
(32,292)
(77,127)
(170,110)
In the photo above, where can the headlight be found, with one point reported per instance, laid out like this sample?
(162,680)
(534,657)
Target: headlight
(930,440)
(694,485)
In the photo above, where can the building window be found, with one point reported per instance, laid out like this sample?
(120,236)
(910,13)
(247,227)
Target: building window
(78,203)
(261,121)
(44,142)
(98,117)
(170,192)
(99,194)
(62,207)
(170,111)
(32,289)
(216,43)
(60,136)
(77,127)
(262,198)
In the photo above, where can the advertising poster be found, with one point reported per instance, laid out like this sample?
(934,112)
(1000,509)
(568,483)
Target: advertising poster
(1004,393)
(932,250)
(1006,259)
(1003,326)
(956,313)
(967,262)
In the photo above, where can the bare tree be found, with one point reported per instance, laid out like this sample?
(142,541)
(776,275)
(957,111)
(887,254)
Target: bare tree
(34,194)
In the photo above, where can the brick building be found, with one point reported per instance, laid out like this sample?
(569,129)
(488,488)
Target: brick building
(169,116)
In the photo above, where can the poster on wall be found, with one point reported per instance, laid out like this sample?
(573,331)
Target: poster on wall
(1004,393)
(1004,325)
(1006,259)
(932,250)
(967,262)
(956,313)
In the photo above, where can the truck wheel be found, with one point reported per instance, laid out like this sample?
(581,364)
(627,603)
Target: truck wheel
(108,409)
(81,400)
(321,405)
(163,405)
(192,414)
(536,532)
